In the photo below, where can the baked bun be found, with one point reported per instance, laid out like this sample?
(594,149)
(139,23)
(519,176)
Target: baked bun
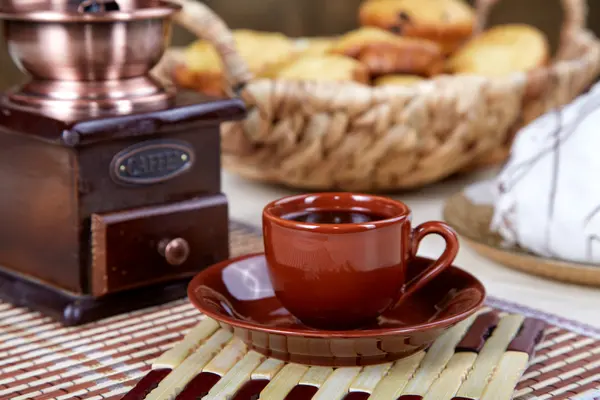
(315,45)
(407,56)
(385,53)
(264,52)
(502,50)
(397,80)
(447,22)
(329,67)
(352,43)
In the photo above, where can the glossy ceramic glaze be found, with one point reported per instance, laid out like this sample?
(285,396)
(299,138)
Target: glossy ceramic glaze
(238,293)
(353,271)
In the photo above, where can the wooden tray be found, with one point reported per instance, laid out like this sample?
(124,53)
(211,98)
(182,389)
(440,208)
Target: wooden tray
(472,222)
(39,359)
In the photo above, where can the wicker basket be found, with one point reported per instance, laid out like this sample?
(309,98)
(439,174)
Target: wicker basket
(326,136)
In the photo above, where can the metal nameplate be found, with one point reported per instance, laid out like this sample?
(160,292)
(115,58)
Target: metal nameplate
(152,162)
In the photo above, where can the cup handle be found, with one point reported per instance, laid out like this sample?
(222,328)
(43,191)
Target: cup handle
(445,260)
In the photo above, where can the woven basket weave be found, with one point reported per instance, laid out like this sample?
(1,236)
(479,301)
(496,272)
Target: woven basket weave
(326,136)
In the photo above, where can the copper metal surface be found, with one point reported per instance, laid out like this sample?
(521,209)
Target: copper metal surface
(92,97)
(88,61)
(69,11)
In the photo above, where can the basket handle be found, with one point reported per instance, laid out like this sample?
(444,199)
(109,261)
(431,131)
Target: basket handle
(206,24)
(575,14)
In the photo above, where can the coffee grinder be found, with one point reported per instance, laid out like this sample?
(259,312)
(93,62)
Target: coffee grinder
(110,191)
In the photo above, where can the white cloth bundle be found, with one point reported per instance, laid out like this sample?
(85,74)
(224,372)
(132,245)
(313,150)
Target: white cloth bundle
(547,197)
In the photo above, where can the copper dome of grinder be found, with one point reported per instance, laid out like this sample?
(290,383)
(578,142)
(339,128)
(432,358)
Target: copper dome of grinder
(91,54)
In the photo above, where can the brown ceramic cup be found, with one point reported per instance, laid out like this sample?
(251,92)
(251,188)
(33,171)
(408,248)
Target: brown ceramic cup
(341,276)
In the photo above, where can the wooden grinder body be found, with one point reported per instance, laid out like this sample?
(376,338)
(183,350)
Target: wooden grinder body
(104,215)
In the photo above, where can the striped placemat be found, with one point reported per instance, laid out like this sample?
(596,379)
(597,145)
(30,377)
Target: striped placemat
(39,359)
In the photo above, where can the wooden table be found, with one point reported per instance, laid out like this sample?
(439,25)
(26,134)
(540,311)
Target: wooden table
(582,304)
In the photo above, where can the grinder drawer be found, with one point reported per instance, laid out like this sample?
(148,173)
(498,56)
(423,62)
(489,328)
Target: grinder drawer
(137,247)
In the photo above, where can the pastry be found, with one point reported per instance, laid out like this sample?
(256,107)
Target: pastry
(385,53)
(353,42)
(316,45)
(201,70)
(405,56)
(447,22)
(264,52)
(502,50)
(397,80)
(329,67)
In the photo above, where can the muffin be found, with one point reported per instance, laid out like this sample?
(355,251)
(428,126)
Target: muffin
(408,56)
(398,80)
(264,52)
(328,67)
(352,43)
(502,50)
(385,53)
(447,22)
(315,45)
(201,70)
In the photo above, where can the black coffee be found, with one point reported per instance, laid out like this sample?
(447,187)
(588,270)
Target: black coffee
(333,217)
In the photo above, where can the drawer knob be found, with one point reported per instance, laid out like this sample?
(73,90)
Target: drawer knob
(175,251)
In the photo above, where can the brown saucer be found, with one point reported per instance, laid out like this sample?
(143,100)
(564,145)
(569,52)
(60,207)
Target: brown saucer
(238,294)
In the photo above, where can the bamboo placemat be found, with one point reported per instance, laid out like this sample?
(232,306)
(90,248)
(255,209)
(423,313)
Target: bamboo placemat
(39,359)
